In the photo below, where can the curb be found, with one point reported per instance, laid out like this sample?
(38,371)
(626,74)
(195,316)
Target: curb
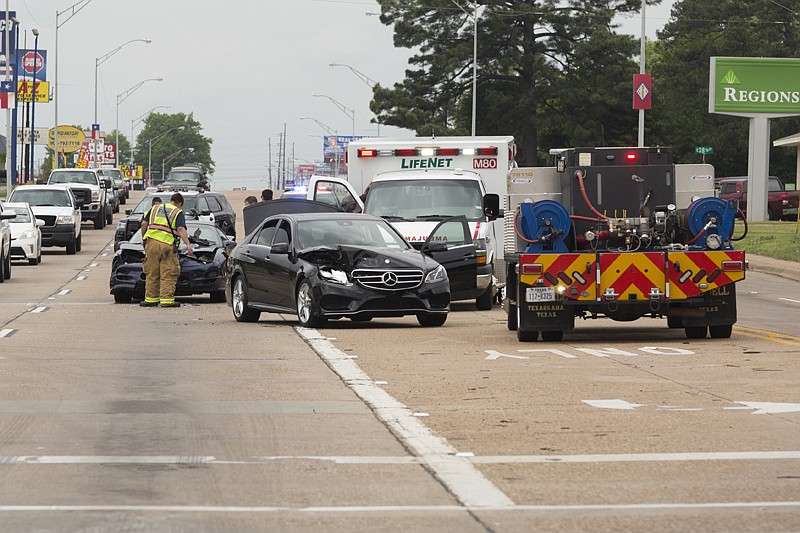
(777,267)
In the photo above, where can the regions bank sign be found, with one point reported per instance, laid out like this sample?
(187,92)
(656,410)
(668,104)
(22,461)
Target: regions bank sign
(754,85)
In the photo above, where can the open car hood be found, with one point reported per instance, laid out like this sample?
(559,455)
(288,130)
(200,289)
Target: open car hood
(255,214)
(350,257)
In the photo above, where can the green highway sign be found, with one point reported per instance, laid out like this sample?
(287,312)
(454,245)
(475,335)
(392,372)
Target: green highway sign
(754,85)
(704,150)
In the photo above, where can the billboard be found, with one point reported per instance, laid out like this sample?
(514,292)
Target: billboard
(753,85)
(7,25)
(334,145)
(32,64)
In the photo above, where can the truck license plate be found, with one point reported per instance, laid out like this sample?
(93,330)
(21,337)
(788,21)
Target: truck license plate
(540,294)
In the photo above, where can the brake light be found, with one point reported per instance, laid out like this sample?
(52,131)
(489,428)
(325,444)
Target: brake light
(405,152)
(487,151)
(733,266)
(532,268)
(447,151)
(630,157)
(364,152)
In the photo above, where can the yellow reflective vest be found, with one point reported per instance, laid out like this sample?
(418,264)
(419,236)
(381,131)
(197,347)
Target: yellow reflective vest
(161,224)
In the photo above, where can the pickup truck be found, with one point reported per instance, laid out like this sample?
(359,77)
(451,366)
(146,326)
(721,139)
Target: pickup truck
(91,189)
(781,204)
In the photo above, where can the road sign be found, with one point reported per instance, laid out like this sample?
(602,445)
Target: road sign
(32,63)
(642,91)
(39,135)
(704,150)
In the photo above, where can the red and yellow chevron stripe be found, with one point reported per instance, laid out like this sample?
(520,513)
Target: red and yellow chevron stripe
(692,273)
(632,275)
(573,275)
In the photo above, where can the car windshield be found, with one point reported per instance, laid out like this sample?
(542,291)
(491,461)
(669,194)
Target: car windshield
(46,197)
(187,176)
(113,173)
(189,203)
(204,234)
(354,232)
(425,198)
(22,215)
(87,178)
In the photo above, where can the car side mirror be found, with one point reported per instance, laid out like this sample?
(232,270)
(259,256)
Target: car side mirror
(79,204)
(107,184)
(281,248)
(491,206)
(436,246)
(39,222)
(128,211)
(7,215)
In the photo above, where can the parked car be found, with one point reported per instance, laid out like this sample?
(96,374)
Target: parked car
(5,243)
(26,235)
(781,204)
(201,273)
(57,206)
(122,182)
(207,206)
(190,177)
(332,265)
(113,197)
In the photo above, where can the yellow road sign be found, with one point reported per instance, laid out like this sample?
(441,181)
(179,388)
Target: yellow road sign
(25,88)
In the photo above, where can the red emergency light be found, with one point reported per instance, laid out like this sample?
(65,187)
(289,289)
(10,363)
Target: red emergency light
(447,151)
(486,151)
(406,152)
(630,157)
(366,152)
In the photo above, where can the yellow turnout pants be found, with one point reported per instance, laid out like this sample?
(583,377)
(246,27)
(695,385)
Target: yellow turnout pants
(161,270)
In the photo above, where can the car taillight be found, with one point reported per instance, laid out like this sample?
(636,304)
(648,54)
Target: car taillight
(492,150)
(630,157)
(733,266)
(532,268)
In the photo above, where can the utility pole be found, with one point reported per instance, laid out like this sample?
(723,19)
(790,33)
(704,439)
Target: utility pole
(269,161)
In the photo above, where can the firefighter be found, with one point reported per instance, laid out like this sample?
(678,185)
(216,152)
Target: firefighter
(162,226)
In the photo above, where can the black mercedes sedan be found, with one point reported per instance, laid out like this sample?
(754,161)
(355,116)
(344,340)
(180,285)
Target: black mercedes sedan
(201,273)
(333,265)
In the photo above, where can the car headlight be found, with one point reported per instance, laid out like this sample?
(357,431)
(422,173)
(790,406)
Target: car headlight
(121,225)
(65,219)
(436,275)
(95,196)
(334,276)
(29,234)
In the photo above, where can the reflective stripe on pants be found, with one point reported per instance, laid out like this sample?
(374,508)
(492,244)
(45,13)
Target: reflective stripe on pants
(161,270)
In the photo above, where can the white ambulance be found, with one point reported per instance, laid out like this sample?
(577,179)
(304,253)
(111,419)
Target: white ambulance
(416,182)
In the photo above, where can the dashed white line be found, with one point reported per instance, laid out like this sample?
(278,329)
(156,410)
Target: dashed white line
(40,309)
(81,278)
(6,333)
(790,300)
(63,292)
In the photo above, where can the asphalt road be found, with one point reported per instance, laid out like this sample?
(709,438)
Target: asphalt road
(115,417)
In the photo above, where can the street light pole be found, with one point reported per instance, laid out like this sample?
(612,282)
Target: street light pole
(171,157)
(474,16)
(74,10)
(366,79)
(97,62)
(153,140)
(33,97)
(346,110)
(121,97)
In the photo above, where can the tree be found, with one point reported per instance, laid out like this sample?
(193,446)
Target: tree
(680,67)
(550,73)
(164,134)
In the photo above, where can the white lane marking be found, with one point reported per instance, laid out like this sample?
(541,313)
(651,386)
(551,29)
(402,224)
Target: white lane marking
(459,475)
(391,508)
(559,353)
(403,459)
(40,309)
(6,333)
(790,300)
(613,404)
(63,292)
(104,254)
(81,278)
(494,355)
(765,408)
(94,264)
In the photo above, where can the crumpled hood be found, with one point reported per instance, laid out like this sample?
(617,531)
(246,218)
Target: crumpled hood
(350,257)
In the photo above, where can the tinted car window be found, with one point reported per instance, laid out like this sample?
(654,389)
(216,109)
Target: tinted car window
(88,178)
(213,203)
(283,235)
(266,233)
(202,205)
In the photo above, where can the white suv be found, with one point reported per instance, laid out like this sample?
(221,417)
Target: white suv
(5,243)
(57,207)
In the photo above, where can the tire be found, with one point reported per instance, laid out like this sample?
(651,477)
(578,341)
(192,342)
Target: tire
(241,312)
(527,336)
(552,336)
(512,321)
(7,265)
(34,261)
(123,199)
(72,247)
(122,297)
(217,297)
(110,217)
(696,332)
(485,301)
(721,332)
(771,215)
(305,307)
(99,221)
(79,243)
(430,320)
(2,266)
(674,322)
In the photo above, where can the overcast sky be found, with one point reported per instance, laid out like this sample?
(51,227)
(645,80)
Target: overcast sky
(243,67)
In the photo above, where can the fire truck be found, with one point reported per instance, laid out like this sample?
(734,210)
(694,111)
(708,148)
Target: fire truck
(619,233)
